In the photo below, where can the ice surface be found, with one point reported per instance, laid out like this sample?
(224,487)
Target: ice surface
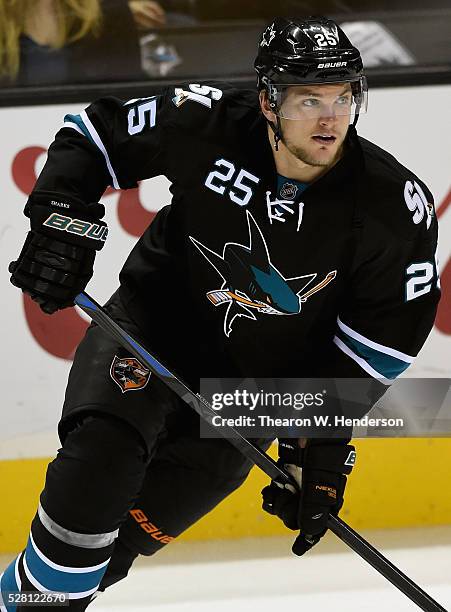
(216,578)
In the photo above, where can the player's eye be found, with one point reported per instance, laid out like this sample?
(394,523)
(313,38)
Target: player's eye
(310,102)
(344,100)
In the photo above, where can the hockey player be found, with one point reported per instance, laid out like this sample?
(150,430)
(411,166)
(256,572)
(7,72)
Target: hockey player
(274,194)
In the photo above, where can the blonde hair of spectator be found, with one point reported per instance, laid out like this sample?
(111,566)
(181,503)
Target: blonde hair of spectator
(74,19)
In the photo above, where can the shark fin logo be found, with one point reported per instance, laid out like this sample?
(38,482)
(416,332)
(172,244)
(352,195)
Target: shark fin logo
(251,284)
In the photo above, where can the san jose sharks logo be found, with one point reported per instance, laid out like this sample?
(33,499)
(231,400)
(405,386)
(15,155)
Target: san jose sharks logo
(252,284)
(129,373)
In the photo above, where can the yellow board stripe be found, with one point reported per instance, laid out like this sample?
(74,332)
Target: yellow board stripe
(396,483)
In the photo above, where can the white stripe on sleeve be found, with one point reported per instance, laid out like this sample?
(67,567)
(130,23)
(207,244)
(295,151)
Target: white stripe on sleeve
(96,138)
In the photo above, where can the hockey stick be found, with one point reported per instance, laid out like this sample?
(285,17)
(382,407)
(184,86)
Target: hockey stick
(257,456)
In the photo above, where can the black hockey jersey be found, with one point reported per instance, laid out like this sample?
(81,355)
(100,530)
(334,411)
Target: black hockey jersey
(240,277)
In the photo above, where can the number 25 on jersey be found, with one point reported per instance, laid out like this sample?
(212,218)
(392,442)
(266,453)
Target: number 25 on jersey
(237,184)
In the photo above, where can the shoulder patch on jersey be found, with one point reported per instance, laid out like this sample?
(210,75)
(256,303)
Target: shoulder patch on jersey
(129,374)
(393,195)
(202,94)
(418,204)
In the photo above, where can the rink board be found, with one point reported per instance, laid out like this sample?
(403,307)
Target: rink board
(386,488)
(396,483)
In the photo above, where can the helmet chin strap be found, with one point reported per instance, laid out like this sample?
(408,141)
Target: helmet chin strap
(277,127)
(277,130)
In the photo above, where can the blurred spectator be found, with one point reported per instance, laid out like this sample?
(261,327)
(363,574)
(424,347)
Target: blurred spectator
(50,42)
(151,15)
(70,41)
(147,14)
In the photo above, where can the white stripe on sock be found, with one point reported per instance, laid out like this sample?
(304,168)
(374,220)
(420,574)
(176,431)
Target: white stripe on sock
(42,589)
(64,568)
(82,540)
(16,571)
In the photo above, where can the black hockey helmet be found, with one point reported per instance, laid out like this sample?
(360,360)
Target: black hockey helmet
(313,50)
(308,51)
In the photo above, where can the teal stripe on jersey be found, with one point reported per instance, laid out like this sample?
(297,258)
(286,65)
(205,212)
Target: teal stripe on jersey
(387,366)
(8,584)
(79,121)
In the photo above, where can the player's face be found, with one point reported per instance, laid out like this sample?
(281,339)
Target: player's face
(314,120)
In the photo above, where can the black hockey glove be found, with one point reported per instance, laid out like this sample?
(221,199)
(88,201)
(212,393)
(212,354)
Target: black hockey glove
(320,470)
(56,261)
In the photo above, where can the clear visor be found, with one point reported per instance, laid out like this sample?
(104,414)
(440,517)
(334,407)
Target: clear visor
(314,101)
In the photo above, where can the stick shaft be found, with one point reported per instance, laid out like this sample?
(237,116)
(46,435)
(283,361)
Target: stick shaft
(257,456)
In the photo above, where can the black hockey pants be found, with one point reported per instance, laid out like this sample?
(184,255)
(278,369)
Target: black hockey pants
(132,474)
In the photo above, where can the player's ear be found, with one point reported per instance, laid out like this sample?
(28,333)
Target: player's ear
(264,105)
